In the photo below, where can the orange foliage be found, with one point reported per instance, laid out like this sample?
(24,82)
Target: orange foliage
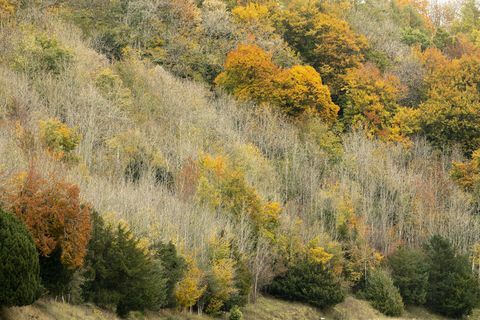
(52,212)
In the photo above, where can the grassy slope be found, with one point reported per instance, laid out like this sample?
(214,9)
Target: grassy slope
(264,309)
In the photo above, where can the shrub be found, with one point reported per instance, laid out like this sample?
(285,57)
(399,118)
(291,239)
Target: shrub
(59,139)
(42,53)
(19,268)
(308,282)
(235,314)
(382,294)
(453,290)
(410,275)
(120,272)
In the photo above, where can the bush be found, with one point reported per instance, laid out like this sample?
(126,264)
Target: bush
(453,290)
(58,138)
(382,294)
(19,268)
(410,275)
(42,53)
(120,272)
(308,282)
(235,314)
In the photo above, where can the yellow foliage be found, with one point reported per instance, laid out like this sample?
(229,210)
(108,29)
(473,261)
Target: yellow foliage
(250,74)
(371,100)
(319,255)
(467,174)
(7,8)
(59,139)
(247,74)
(223,277)
(221,186)
(299,90)
(251,13)
(190,288)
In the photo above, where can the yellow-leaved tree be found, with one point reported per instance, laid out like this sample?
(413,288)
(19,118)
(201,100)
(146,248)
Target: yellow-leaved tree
(191,287)
(251,75)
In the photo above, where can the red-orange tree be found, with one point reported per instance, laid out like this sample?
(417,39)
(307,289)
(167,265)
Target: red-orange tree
(52,212)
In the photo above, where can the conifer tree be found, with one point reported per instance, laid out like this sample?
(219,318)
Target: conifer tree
(19,268)
(453,290)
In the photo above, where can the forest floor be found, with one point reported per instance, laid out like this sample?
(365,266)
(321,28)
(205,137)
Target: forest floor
(265,309)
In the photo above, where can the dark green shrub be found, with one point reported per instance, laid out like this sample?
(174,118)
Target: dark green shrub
(410,275)
(453,290)
(235,314)
(19,268)
(120,273)
(55,276)
(308,282)
(382,294)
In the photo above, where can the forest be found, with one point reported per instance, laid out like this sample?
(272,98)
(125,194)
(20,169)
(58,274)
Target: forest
(200,155)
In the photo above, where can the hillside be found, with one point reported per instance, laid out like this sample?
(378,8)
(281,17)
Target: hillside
(173,157)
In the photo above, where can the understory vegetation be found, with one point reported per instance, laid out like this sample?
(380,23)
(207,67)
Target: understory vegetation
(193,155)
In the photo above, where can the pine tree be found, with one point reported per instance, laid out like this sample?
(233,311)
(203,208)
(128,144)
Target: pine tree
(410,275)
(382,294)
(173,268)
(19,268)
(308,282)
(453,290)
(120,271)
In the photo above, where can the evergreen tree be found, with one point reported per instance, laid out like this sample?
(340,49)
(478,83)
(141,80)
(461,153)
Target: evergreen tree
(173,268)
(19,268)
(453,291)
(382,294)
(410,275)
(308,282)
(121,274)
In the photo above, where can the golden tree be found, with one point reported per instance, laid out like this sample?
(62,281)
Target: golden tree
(299,90)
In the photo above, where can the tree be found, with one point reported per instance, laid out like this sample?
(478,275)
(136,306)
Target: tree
(247,73)
(370,100)
(308,280)
(325,42)
(190,288)
(382,294)
(120,272)
(451,113)
(299,90)
(410,275)
(52,211)
(250,74)
(452,288)
(19,268)
(173,267)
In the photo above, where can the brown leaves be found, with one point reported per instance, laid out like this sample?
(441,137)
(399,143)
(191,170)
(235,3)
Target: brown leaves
(52,211)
